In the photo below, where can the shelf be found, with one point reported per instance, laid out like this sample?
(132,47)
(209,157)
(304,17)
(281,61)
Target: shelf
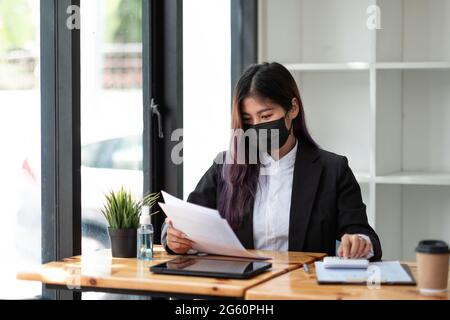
(412,116)
(362,177)
(413,30)
(358,66)
(381,98)
(413,65)
(415,178)
(407,214)
(347,93)
(334,31)
(345,66)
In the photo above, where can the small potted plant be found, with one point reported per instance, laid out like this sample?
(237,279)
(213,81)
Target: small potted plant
(122,213)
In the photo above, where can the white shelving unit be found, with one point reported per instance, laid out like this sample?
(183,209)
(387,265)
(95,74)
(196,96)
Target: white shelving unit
(379,97)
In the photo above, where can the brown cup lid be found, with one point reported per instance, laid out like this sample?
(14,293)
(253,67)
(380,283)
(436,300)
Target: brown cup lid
(432,246)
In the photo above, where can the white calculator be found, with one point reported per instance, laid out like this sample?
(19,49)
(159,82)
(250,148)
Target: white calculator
(342,263)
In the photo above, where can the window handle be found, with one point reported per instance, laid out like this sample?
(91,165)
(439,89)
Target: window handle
(155,112)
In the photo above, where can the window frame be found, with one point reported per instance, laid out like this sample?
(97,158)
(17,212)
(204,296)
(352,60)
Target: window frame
(163,82)
(60,137)
(244,37)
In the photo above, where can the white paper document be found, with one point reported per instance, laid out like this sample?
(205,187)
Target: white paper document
(387,272)
(211,233)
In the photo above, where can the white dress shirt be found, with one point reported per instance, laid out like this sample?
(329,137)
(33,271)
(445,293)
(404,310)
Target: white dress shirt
(273,202)
(272,205)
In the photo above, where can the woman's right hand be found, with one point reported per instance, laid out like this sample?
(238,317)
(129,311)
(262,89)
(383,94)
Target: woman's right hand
(177,241)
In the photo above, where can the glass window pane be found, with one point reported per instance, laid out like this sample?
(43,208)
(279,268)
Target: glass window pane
(111,112)
(207,85)
(111,109)
(20,168)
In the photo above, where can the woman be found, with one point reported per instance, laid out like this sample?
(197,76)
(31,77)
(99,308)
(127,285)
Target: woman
(311,198)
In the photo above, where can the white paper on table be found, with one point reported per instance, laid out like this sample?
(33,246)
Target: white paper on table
(210,232)
(384,272)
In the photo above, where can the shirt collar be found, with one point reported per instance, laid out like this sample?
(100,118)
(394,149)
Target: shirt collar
(287,161)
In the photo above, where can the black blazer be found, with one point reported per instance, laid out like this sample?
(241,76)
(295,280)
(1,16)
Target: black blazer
(326,203)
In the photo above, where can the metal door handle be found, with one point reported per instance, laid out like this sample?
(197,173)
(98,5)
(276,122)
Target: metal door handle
(155,112)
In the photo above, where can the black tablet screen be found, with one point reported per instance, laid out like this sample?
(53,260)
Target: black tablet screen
(207,265)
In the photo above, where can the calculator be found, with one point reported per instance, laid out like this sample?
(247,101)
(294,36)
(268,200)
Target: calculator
(342,263)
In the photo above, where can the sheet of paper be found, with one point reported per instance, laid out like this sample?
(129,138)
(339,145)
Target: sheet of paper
(211,233)
(382,272)
(174,201)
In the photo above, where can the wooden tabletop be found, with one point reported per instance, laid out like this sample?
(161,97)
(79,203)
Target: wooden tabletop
(100,271)
(298,285)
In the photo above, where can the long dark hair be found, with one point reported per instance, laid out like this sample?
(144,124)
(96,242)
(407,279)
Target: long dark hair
(273,82)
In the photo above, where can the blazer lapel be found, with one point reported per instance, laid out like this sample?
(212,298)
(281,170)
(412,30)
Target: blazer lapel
(304,186)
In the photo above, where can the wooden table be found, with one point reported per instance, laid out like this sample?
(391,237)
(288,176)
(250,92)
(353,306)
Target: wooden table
(299,285)
(100,272)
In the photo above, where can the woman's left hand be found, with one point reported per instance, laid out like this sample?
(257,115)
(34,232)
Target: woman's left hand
(354,246)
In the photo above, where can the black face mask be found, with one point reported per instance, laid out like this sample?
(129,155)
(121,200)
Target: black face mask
(265,130)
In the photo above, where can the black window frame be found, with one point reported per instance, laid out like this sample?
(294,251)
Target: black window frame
(60,137)
(163,83)
(244,37)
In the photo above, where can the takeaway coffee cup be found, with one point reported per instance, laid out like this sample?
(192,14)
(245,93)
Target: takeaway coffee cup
(432,261)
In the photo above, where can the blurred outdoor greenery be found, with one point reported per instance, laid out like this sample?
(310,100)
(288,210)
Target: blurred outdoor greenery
(16,24)
(122,20)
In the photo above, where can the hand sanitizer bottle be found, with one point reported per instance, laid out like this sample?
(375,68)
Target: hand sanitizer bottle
(145,236)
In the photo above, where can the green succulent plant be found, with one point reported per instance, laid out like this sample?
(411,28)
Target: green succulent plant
(122,211)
